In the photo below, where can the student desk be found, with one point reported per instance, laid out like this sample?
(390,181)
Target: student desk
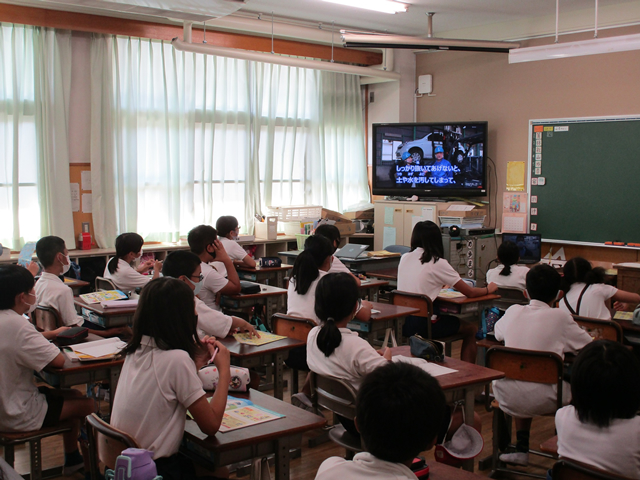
(267,275)
(463,305)
(371,288)
(271,438)
(273,299)
(363,264)
(464,383)
(251,356)
(105,317)
(389,317)
(440,471)
(75,285)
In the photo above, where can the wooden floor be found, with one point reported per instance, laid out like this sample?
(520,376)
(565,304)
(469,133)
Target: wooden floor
(305,467)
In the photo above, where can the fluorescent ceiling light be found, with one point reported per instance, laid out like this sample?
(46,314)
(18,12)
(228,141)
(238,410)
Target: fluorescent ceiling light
(575,49)
(415,43)
(384,6)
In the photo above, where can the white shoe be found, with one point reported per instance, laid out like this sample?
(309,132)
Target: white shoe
(300,400)
(516,458)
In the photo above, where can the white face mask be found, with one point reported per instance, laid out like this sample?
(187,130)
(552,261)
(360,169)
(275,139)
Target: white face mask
(67,266)
(32,306)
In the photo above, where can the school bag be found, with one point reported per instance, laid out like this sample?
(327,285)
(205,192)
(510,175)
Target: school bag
(490,316)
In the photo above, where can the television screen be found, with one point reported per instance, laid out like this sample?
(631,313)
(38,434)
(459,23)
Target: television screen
(430,159)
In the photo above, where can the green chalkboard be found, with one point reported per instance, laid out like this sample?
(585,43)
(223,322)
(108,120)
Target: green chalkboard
(591,174)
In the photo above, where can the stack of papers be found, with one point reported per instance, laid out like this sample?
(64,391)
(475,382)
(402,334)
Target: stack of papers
(103,296)
(383,253)
(450,293)
(132,303)
(432,369)
(241,413)
(98,350)
(265,337)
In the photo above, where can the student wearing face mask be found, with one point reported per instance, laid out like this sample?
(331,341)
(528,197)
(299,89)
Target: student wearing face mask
(120,268)
(228,231)
(186,267)
(52,292)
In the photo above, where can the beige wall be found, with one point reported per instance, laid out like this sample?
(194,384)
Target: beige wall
(483,86)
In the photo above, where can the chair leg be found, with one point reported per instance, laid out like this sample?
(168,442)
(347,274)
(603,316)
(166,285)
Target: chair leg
(294,381)
(35,454)
(447,349)
(9,455)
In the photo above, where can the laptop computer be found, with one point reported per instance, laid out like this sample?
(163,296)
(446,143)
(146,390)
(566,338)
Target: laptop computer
(530,246)
(351,251)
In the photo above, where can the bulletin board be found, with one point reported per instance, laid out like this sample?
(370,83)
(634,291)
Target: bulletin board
(81,200)
(584,179)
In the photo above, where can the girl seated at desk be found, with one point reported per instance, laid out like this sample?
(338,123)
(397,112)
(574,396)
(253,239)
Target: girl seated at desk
(509,274)
(120,268)
(423,270)
(159,380)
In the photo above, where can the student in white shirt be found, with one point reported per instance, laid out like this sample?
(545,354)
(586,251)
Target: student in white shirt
(509,274)
(24,407)
(399,411)
(159,380)
(601,426)
(536,326)
(424,270)
(203,241)
(120,268)
(331,233)
(228,231)
(586,292)
(186,266)
(52,292)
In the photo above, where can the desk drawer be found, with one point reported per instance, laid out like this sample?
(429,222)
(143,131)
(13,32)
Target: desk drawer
(452,308)
(107,322)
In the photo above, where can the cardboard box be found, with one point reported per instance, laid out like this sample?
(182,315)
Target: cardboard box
(335,216)
(360,215)
(345,225)
(346,228)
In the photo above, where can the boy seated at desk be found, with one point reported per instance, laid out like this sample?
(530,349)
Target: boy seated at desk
(24,407)
(540,327)
(186,267)
(203,241)
(52,292)
(228,231)
(399,411)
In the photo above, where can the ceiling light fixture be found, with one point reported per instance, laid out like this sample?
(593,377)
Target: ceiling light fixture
(384,6)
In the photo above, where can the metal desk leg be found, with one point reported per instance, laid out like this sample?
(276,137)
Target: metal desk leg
(278,382)
(398,325)
(280,279)
(282,458)
(469,404)
(114,376)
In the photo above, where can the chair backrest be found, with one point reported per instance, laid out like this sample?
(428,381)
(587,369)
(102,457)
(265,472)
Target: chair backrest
(600,329)
(46,318)
(292,327)
(512,295)
(415,300)
(527,365)
(333,394)
(397,249)
(571,470)
(105,443)
(105,284)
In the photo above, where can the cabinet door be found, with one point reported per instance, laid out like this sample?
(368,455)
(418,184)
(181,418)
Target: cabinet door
(389,223)
(414,213)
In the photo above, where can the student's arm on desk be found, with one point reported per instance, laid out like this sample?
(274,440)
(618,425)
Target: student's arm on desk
(51,334)
(472,292)
(247,261)
(208,415)
(233,281)
(364,313)
(622,298)
(57,362)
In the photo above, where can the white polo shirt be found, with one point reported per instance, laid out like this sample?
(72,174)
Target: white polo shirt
(425,278)
(155,389)
(517,278)
(22,350)
(52,292)
(213,283)
(234,249)
(536,326)
(126,277)
(364,466)
(212,322)
(303,305)
(615,449)
(592,304)
(338,267)
(351,361)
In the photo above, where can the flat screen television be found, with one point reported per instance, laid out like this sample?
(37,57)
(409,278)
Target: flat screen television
(529,246)
(430,159)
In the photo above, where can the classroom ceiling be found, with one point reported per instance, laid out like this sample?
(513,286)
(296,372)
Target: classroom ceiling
(469,19)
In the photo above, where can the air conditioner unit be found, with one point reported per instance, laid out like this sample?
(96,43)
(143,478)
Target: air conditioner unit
(192,10)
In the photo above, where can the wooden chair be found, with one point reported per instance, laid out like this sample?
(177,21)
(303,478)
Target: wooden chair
(46,318)
(572,470)
(9,440)
(292,327)
(424,303)
(525,365)
(105,443)
(104,284)
(338,397)
(510,296)
(601,329)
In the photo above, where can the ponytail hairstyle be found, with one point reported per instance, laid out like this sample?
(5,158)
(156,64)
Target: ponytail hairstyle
(125,244)
(579,270)
(336,299)
(427,235)
(508,254)
(307,265)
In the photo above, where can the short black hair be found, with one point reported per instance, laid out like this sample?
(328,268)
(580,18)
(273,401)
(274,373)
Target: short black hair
(200,237)
(126,243)
(14,280)
(605,383)
(400,409)
(508,254)
(226,224)
(543,283)
(428,236)
(166,313)
(47,248)
(180,262)
(330,232)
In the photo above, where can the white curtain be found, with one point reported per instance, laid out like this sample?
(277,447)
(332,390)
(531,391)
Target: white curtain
(179,139)
(35,81)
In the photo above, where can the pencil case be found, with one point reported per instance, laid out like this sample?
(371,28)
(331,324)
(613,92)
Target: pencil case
(270,262)
(71,336)
(249,287)
(427,349)
(239,381)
